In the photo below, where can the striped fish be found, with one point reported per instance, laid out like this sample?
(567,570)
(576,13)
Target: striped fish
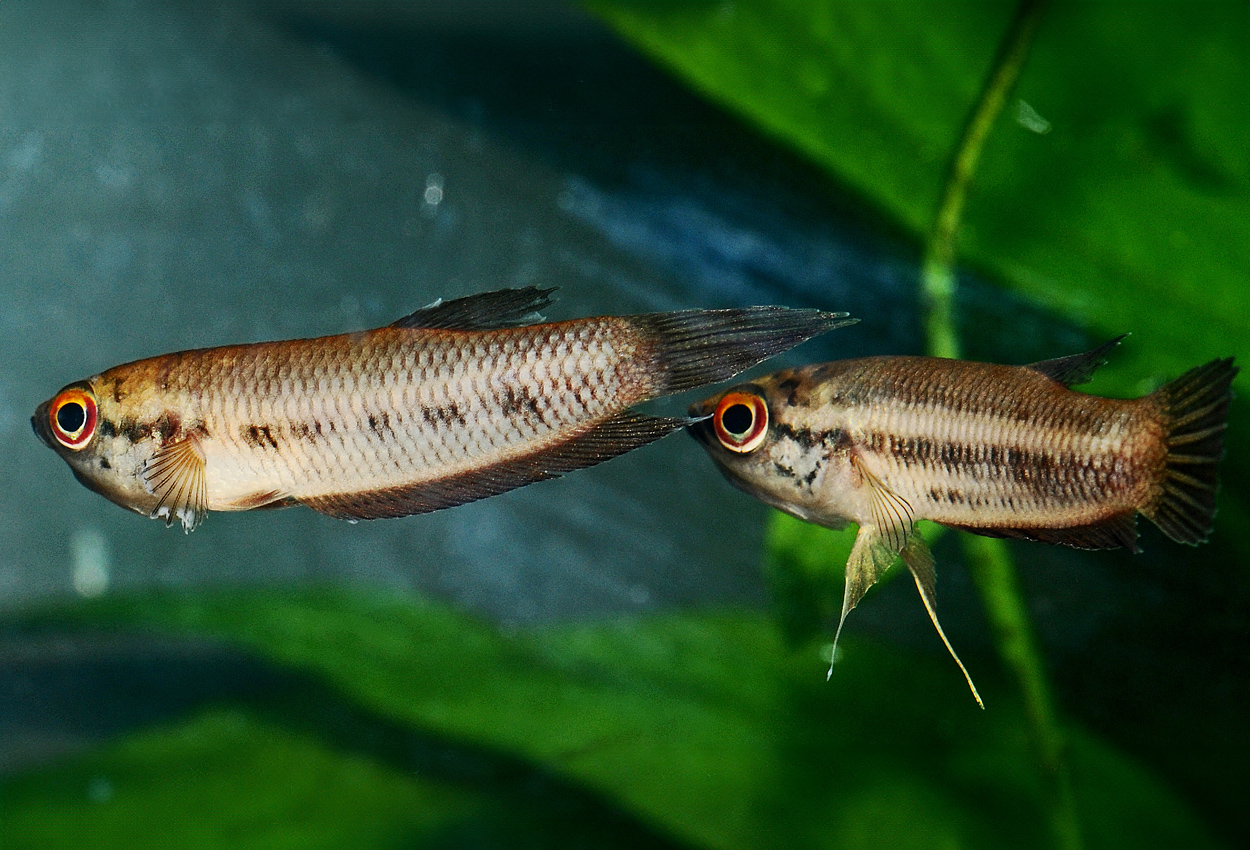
(455,402)
(1003,451)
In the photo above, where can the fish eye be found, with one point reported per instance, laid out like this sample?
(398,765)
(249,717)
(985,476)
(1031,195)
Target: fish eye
(72,416)
(741,422)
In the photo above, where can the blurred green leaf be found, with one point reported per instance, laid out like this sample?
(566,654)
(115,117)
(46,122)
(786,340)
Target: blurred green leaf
(703,724)
(1130,213)
(221,780)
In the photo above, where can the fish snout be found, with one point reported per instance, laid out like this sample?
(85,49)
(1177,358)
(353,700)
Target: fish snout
(39,424)
(699,425)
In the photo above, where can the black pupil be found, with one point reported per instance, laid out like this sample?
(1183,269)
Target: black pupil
(70,416)
(737,419)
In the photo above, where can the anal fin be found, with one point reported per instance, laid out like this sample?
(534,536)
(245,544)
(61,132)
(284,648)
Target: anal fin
(175,475)
(1119,530)
(602,442)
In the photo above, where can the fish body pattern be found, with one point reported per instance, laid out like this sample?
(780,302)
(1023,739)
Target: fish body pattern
(1003,451)
(455,402)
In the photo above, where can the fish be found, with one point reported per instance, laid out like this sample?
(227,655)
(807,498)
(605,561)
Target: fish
(455,402)
(997,450)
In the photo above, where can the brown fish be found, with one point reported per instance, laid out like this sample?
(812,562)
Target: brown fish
(1003,451)
(455,402)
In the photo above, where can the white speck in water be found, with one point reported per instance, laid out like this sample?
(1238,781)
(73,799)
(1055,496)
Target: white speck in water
(113,176)
(99,790)
(89,562)
(433,190)
(639,595)
(25,156)
(1029,118)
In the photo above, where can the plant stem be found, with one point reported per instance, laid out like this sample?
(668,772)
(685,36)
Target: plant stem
(994,572)
(989,559)
(938,276)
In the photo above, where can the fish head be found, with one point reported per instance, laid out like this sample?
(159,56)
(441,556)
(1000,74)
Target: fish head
(776,438)
(83,423)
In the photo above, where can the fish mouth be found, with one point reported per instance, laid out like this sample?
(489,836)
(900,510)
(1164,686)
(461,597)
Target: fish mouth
(699,425)
(39,424)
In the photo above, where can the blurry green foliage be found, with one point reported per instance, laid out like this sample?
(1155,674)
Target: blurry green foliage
(1130,213)
(703,725)
(221,780)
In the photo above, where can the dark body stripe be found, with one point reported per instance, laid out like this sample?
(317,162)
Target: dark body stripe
(982,444)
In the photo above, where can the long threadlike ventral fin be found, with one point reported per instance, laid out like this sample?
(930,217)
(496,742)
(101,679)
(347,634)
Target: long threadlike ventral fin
(602,442)
(1076,369)
(919,560)
(876,545)
(483,311)
(175,475)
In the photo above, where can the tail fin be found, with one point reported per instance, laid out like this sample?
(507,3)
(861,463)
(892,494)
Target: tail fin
(698,347)
(1195,409)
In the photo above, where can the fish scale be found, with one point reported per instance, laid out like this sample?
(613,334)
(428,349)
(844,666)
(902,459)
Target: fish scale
(984,442)
(424,433)
(455,402)
(1003,451)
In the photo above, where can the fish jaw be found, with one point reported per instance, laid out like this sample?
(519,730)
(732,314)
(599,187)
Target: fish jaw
(110,463)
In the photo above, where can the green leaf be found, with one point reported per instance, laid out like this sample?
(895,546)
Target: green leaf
(1132,213)
(222,780)
(702,724)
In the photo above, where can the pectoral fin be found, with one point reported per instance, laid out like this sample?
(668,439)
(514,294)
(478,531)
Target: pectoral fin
(891,513)
(919,560)
(175,475)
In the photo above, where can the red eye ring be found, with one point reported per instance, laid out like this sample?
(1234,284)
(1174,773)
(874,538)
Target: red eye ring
(73,428)
(741,421)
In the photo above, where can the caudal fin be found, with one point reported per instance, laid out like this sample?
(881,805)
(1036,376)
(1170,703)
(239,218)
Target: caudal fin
(1195,409)
(698,347)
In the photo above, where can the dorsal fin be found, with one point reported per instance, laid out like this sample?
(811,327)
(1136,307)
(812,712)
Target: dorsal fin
(485,311)
(1076,368)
